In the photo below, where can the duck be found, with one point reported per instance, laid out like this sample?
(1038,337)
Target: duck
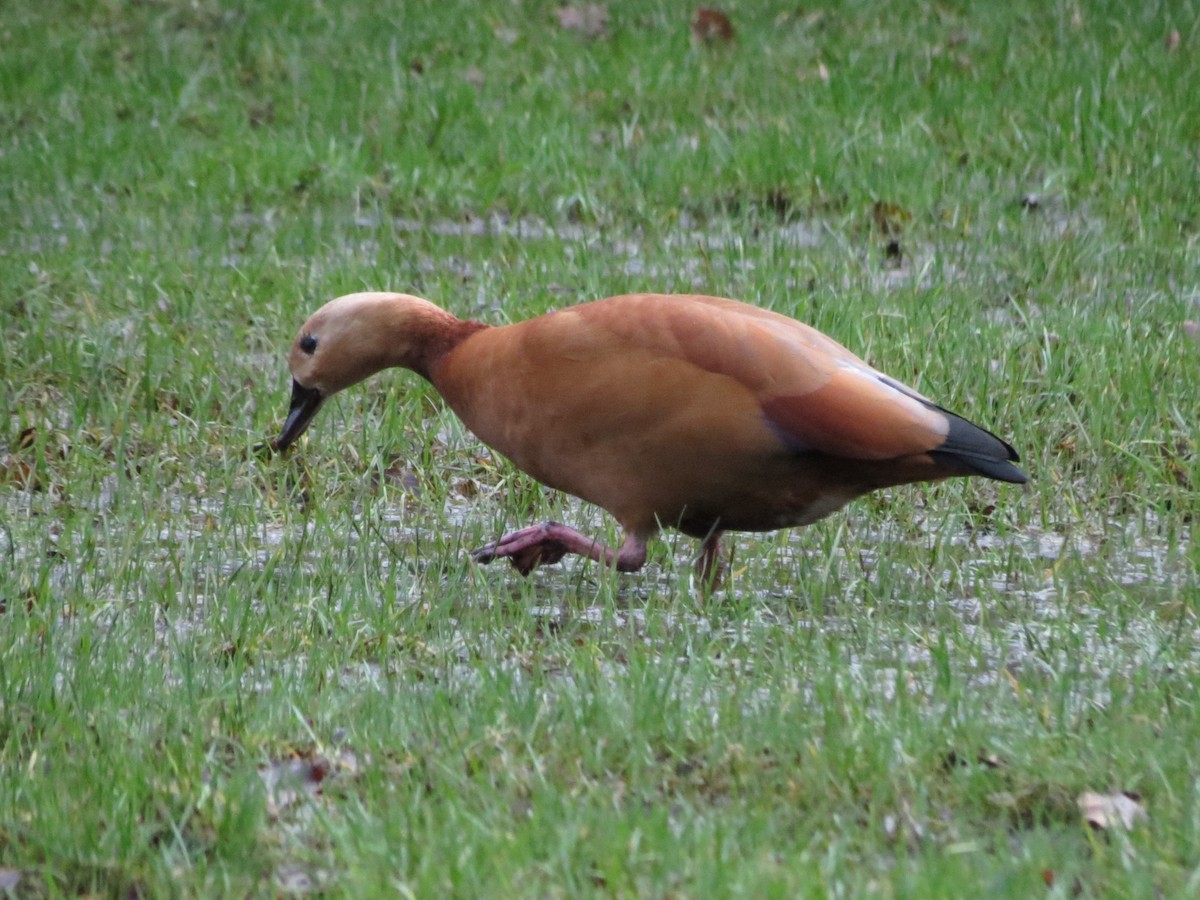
(696,413)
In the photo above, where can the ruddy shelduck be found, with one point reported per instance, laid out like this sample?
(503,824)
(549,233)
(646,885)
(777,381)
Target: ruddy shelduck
(691,412)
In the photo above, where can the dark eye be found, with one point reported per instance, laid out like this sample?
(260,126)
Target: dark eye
(308,344)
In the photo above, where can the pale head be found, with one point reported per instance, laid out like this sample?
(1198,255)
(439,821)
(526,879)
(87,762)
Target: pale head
(350,339)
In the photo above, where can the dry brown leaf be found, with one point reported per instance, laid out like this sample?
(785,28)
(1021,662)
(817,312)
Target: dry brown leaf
(1104,811)
(712,26)
(14,470)
(589,19)
(889,218)
(1178,459)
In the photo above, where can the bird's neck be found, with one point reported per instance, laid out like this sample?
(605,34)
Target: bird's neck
(432,333)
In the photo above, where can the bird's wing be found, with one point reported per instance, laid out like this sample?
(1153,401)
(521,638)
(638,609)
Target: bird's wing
(813,393)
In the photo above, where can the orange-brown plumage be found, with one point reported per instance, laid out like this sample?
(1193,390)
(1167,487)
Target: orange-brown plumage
(693,412)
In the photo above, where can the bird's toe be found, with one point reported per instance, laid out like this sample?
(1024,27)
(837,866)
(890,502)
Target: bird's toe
(484,555)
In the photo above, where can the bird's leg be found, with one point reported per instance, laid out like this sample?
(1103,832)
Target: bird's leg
(709,569)
(539,545)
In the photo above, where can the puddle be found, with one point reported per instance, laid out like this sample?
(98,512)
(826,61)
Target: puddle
(1004,628)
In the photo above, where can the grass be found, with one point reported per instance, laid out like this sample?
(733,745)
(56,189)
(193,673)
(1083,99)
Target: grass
(228,674)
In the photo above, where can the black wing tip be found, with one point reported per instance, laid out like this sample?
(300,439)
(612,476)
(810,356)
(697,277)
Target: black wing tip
(979,452)
(1012,474)
(970,464)
(1004,471)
